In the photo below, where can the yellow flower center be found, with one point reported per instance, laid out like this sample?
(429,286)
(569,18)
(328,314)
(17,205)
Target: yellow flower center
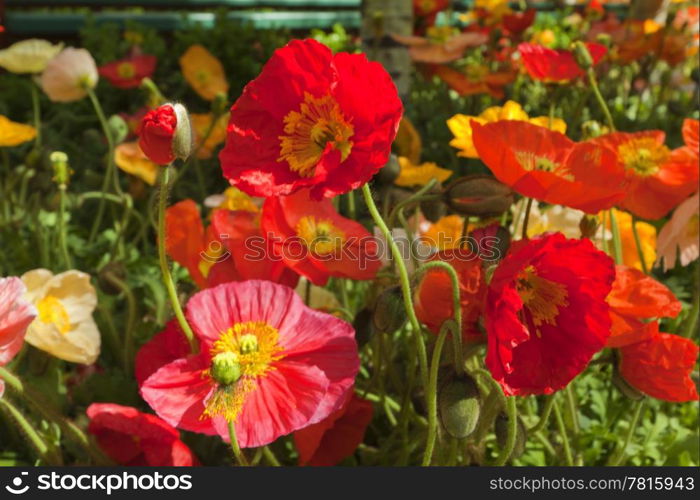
(309,131)
(541,297)
(52,311)
(235,199)
(243,353)
(202,76)
(320,236)
(643,156)
(531,161)
(126,70)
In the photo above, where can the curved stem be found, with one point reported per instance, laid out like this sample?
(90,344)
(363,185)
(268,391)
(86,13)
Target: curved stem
(415,197)
(571,403)
(237,453)
(507,451)
(47,455)
(405,283)
(546,412)
(163,259)
(131,317)
(564,437)
(457,306)
(110,173)
(270,457)
(431,391)
(620,455)
(599,97)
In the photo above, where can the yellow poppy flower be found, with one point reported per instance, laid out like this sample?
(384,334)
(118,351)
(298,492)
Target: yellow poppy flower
(200,125)
(203,72)
(419,175)
(461,128)
(13,133)
(64,326)
(647,240)
(408,142)
(445,233)
(28,56)
(129,157)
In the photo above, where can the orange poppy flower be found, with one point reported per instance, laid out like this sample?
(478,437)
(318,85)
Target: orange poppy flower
(200,126)
(203,72)
(656,180)
(546,165)
(433,295)
(661,366)
(635,297)
(478,80)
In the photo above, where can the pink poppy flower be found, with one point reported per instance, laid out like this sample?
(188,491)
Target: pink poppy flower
(267,363)
(15,316)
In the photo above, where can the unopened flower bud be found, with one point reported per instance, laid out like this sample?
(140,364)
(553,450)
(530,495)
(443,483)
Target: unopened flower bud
(61,170)
(225,368)
(433,209)
(588,225)
(389,313)
(118,128)
(165,134)
(480,195)
(459,405)
(501,430)
(582,55)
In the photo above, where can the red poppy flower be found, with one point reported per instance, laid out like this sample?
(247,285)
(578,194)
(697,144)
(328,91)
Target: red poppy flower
(690,153)
(156,134)
(267,363)
(481,79)
(311,119)
(130,437)
(656,180)
(661,366)
(317,242)
(129,72)
(232,248)
(636,296)
(517,22)
(433,295)
(163,348)
(546,313)
(548,166)
(333,439)
(543,63)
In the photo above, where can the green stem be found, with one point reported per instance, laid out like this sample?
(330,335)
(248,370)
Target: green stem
(599,97)
(431,390)
(692,319)
(571,404)
(621,454)
(546,412)
(36,110)
(638,244)
(163,259)
(563,434)
(528,209)
(414,198)
(237,453)
(507,451)
(457,306)
(131,318)
(48,456)
(405,283)
(617,241)
(62,241)
(352,206)
(270,457)
(111,173)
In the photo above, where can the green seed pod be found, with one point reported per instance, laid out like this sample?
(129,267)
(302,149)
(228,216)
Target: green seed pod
(118,128)
(389,172)
(225,368)
(480,195)
(501,429)
(459,406)
(363,327)
(389,314)
(582,55)
(622,386)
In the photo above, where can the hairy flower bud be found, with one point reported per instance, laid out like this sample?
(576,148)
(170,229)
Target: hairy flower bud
(61,170)
(480,195)
(118,128)
(389,313)
(501,430)
(459,404)
(225,368)
(582,55)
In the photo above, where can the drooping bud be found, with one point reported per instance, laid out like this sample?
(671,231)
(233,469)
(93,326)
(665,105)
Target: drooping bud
(389,313)
(118,128)
(501,430)
(582,55)
(225,368)
(459,406)
(480,195)
(589,225)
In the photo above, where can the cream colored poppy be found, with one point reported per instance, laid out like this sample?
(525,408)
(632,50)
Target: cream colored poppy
(28,56)
(64,326)
(69,75)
